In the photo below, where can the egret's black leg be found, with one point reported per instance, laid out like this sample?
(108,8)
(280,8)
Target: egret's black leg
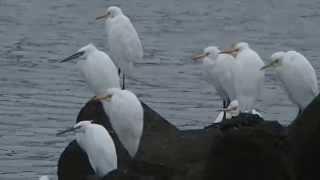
(123,84)
(224,106)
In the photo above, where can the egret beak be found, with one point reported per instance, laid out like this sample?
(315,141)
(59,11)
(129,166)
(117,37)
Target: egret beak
(67,130)
(229,51)
(272,64)
(102,17)
(223,109)
(103,98)
(199,56)
(74,56)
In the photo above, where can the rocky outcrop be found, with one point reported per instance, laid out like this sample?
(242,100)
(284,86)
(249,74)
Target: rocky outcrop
(245,147)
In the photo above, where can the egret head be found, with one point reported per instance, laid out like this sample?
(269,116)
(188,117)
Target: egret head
(212,52)
(111,12)
(233,109)
(82,52)
(236,48)
(276,60)
(79,127)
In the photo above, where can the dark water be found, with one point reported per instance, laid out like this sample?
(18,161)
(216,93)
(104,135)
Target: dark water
(40,96)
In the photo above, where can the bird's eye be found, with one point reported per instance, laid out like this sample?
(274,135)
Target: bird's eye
(207,54)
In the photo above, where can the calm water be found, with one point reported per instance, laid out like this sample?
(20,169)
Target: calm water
(40,96)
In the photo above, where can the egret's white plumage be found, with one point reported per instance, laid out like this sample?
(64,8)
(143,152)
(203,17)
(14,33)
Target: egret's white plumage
(126,117)
(248,79)
(219,72)
(297,76)
(98,69)
(95,140)
(233,110)
(123,40)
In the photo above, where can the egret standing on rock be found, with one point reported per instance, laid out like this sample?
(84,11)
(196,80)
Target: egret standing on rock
(247,75)
(126,117)
(219,71)
(123,40)
(233,110)
(95,140)
(297,76)
(98,70)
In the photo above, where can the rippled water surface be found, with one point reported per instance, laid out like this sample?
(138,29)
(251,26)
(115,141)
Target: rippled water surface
(40,96)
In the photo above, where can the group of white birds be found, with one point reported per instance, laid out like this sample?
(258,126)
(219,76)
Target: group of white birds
(238,77)
(237,74)
(123,108)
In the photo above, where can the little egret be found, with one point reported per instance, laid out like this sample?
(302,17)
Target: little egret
(123,40)
(95,140)
(248,79)
(126,117)
(233,110)
(297,76)
(219,72)
(98,70)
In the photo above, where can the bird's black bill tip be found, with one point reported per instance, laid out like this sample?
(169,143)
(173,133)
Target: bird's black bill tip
(74,56)
(66,131)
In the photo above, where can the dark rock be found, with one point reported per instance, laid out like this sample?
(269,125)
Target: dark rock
(164,153)
(250,149)
(73,163)
(304,135)
(246,147)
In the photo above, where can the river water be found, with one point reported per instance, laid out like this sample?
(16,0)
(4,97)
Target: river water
(40,96)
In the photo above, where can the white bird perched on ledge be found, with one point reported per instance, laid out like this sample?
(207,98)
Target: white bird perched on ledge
(233,110)
(219,71)
(297,76)
(126,117)
(98,70)
(247,75)
(95,140)
(123,40)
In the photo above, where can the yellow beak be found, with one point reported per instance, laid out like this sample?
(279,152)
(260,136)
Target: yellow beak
(197,57)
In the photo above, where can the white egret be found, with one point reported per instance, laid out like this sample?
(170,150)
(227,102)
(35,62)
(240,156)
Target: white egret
(126,117)
(233,110)
(123,40)
(219,72)
(297,76)
(248,79)
(95,140)
(98,70)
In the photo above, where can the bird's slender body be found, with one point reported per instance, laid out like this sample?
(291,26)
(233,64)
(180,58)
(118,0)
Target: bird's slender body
(126,117)
(219,72)
(98,69)
(95,140)
(123,40)
(248,79)
(297,76)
